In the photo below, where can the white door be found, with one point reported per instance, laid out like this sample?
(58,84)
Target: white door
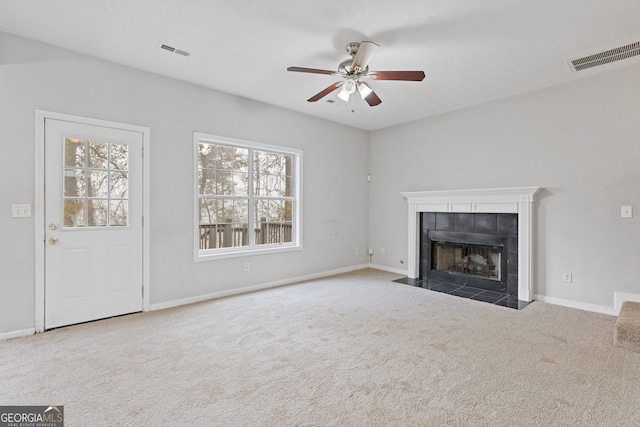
(93,222)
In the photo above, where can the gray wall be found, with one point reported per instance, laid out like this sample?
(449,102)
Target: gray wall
(36,76)
(580,141)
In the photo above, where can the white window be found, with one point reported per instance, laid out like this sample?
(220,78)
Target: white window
(247,197)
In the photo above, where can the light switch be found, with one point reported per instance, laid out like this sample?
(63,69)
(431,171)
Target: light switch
(626,211)
(21,211)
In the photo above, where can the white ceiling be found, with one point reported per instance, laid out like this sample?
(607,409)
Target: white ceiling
(472,51)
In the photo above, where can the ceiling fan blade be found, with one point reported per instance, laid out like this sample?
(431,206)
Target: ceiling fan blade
(311,70)
(366,52)
(368,94)
(373,99)
(412,76)
(325,92)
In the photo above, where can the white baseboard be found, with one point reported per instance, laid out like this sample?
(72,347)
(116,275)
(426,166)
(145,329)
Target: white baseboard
(620,297)
(389,269)
(603,309)
(17,334)
(221,294)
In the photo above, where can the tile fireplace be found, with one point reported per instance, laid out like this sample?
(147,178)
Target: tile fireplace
(481,239)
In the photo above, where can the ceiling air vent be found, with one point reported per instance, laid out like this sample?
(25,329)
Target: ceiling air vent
(605,57)
(174,50)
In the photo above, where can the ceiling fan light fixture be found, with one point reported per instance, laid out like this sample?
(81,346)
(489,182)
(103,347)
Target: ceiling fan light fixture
(349,86)
(364,89)
(344,95)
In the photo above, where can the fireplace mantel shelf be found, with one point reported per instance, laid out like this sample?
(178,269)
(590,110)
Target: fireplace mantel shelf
(485,200)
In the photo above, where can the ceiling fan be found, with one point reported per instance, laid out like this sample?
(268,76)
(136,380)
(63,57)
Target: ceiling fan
(356,69)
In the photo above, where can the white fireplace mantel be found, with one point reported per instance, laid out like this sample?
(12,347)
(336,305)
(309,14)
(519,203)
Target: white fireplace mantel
(517,200)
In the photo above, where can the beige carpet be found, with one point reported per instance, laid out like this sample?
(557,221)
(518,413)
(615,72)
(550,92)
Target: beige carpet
(349,350)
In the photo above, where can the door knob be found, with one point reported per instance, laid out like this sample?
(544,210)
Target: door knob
(53,240)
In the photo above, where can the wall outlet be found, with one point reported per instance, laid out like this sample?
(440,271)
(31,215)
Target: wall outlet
(371,251)
(567,277)
(21,211)
(357,251)
(383,251)
(246,266)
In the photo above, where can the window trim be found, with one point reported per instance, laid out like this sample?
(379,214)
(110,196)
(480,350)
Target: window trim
(223,253)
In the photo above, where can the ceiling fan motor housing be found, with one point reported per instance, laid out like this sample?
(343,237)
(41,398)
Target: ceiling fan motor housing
(345,69)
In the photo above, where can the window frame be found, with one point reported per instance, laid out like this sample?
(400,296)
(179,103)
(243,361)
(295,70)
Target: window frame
(252,249)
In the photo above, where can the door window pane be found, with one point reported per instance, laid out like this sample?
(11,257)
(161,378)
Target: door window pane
(119,156)
(98,184)
(118,185)
(74,183)
(97,213)
(74,152)
(74,212)
(118,213)
(98,154)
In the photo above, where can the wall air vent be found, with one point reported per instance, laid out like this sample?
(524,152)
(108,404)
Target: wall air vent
(174,50)
(605,57)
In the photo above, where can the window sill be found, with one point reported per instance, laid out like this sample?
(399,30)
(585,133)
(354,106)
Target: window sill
(210,255)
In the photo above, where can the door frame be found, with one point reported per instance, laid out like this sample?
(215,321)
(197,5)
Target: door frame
(39,207)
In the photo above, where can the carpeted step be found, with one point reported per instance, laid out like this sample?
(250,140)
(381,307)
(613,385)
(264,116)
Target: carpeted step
(627,329)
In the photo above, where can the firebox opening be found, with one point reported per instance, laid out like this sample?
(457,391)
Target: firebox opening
(467,259)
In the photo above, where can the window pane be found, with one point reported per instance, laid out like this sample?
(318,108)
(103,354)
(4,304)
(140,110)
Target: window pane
(118,185)
(240,211)
(74,152)
(288,211)
(270,174)
(119,157)
(223,223)
(241,160)
(272,225)
(208,211)
(97,213)
(206,182)
(224,183)
(206,156)
(98,184)
(74,213)
(74,183)
(226,157)
(240,184)
(98,155)
(118,213)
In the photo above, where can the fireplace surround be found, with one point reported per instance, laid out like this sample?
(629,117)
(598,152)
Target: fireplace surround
(516,200)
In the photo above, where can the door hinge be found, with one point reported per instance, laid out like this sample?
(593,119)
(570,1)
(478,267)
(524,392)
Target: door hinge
(142,151)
